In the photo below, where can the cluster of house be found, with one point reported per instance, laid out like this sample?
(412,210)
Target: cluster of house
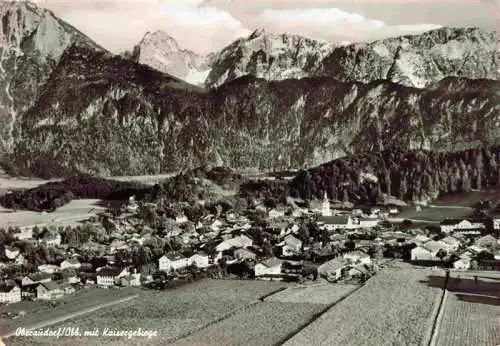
(465,239)
(229,238)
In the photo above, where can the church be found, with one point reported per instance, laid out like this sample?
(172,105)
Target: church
(325,210)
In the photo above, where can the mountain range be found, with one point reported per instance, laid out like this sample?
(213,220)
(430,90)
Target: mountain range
(268,102)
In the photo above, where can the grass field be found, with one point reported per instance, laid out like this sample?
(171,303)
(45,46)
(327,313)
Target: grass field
(70,213)
(38,311)
(452,206)
(266,323)
(172,313)
(313,294)
(395,307)
(471,315)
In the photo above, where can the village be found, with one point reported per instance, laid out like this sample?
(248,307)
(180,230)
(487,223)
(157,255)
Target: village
(144,247)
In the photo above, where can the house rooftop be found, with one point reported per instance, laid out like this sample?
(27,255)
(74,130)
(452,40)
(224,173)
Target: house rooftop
(50,286)
(39,276)
(272,262)
(450,240)
(335,220)
(432,246)
(331,265)
(450,222)
(292,241)
(174,256)
(109,271)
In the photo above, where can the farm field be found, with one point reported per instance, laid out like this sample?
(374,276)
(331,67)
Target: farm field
(471,315)
(39,311)
(266,323)
(395,307)
(313,294)
(452,206)
(70,213)
(172,313)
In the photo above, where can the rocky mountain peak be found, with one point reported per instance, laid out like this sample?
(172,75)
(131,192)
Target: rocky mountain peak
(268,55)
(161,40)
(412,60)
(32,41)
(162,52)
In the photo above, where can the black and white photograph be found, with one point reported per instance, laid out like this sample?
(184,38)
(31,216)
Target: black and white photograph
(250,172)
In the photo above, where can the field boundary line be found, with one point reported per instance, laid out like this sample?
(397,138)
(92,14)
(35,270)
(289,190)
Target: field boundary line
(316,316)
(72,315)
(439,317)
(223,317)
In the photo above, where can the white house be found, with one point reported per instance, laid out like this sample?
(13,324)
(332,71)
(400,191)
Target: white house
(357,257)
(173,261)
(292,245)
(70,263)
(236,242)
(427,251)
(496,224)
(269,267)
(274,213)
(368,222)
(181,218)
(420,253)
(332,269)
(48,268)
(200,259)
(48,291)
(448,226)
(452,243)
(52,239)
(11,252)
(10,293)
(106,276)
(462,264)
(393,211)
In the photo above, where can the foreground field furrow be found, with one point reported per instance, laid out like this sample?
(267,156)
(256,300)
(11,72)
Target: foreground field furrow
(395,307)
(261,324)
(171,313)
(38,311)
(468,323)
(314,294)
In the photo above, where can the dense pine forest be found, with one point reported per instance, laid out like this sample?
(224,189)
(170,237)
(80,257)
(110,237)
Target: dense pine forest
(409,176)
(406,175)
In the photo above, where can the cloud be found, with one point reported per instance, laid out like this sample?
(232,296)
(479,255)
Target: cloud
(199,16)
(118,26)
(319,16)
(336,24)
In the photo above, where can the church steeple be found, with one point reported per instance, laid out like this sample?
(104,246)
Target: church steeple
(326,211)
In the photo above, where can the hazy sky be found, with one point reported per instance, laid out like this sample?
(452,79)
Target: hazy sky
(206,26)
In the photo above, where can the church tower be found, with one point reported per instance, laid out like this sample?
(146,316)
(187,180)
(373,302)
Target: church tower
(326,211)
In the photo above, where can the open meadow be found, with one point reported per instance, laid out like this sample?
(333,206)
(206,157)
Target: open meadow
(395,307)
(471,312)
(263,324)
(68,214)
(458,205)
(274,320)
(173,313)
(324,293)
